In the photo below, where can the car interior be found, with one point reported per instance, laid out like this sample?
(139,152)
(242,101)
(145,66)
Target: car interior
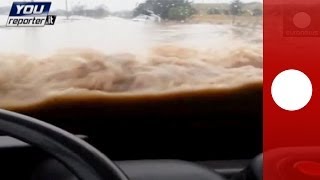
(205,139)
(188,109)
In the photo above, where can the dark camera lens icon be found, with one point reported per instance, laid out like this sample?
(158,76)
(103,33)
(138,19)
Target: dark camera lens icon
(302,20)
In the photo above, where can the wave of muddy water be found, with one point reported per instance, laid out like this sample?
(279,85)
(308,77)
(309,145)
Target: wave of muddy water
(114,60)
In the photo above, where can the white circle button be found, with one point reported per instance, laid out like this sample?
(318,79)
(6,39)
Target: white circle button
(291,90)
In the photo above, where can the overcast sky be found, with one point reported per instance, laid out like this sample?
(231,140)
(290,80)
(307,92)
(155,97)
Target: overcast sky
(113,5)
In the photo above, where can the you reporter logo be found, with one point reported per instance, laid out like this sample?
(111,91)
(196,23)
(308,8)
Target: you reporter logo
(30,14)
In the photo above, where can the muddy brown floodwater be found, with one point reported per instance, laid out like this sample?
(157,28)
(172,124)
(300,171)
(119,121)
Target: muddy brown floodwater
(116,60)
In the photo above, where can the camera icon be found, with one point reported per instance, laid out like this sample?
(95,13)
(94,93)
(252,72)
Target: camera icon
(301,21)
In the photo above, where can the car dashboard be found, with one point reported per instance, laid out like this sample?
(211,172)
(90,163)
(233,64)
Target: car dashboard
(220,132)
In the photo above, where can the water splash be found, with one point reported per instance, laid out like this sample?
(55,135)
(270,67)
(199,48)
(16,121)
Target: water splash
(139,59)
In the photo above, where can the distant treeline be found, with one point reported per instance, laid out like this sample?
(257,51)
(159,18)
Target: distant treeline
(183,9)
(167,9)
(235,8)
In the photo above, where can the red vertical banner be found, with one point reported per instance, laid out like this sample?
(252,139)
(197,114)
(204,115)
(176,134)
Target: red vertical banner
(291,90)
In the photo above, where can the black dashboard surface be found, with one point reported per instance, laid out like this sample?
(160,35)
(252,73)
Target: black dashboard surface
(206,127)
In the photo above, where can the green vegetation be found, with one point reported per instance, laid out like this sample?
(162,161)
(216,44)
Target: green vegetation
(235,12)
(167,9)
(179,13)
(184,9)
(214,11)
(224,8)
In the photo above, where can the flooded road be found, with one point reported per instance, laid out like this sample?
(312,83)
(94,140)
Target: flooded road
(116,35)
(114,56)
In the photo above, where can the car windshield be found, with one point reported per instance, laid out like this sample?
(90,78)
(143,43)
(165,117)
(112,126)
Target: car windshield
(130,48)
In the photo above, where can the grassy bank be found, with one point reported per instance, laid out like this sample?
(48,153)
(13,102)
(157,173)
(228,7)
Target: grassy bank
(225,19)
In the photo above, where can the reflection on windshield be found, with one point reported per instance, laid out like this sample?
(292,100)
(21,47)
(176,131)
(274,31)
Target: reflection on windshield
(188,47)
